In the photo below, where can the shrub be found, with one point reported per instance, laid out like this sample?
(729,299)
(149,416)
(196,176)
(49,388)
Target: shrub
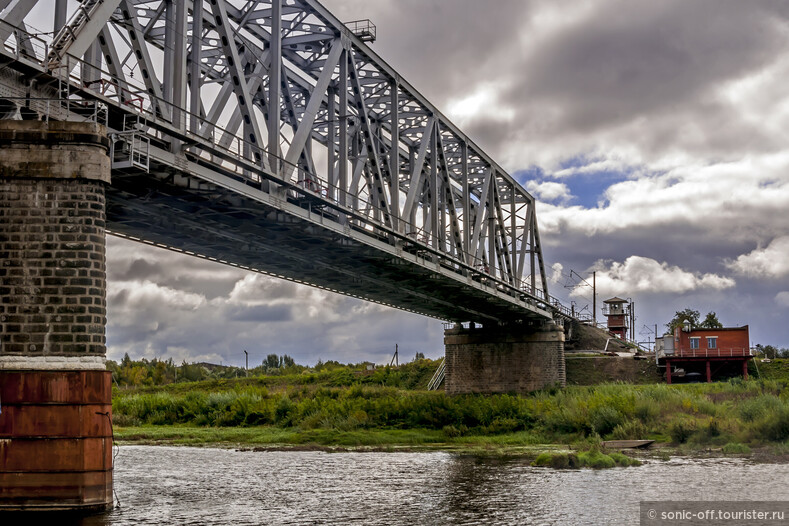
(775,427)
(282,414)
(503,425)
(566,420)
(604,419)
(757,408)
(630,430)
(681,430)
(646,411)
(713,428)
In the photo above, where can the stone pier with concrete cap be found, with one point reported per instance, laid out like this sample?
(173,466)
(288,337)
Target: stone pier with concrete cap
(55,424)
(504,359)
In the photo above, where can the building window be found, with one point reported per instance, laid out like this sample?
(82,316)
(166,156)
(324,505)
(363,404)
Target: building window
(694,343)
(712,342)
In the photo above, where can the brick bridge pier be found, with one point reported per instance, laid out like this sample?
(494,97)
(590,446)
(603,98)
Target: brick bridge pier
(55,392)
(504,359)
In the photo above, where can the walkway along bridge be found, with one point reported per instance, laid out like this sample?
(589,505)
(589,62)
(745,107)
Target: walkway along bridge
(261,134)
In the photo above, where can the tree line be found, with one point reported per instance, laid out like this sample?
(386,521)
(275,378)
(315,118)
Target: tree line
(144,372)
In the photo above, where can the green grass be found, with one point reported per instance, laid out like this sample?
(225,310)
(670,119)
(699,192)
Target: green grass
(734,448)
(278,437)
(777,369)
(593,459)
(274,436)
(752,413)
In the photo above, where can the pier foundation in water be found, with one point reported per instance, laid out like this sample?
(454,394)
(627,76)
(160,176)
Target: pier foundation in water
(55,392)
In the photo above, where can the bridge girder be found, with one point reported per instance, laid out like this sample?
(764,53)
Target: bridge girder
(281,96)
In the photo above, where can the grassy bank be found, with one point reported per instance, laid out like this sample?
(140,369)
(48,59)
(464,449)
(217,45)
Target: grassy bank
(381,409)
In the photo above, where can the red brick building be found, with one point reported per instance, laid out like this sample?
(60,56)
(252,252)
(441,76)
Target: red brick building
(707,351)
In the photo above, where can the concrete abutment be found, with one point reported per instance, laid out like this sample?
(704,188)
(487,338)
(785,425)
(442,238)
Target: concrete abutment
(55,424)
(504,359)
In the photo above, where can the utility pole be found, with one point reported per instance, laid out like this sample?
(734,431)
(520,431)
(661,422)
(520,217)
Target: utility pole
(655,347)
(246,359)
(594,297)
(633,320)
(395,358)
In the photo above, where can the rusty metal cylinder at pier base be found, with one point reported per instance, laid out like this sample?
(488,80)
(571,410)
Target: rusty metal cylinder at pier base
(55,391)
(55,440)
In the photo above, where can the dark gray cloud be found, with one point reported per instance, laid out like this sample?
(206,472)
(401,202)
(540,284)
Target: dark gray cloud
(633,58)
(441,47)
(686,100)
(260,313)
(139,262)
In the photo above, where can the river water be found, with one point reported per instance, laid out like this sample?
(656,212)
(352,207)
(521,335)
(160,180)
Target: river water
(205,486)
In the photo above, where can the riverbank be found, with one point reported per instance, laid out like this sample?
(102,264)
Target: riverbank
(739,418)
(521,445)
(264,438)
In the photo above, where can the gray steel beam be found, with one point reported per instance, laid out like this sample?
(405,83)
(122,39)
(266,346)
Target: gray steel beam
(342,140)
(195,55)
(238,79)
(394,155)
(304,130)
(143,58)
(14,13)
(274,85)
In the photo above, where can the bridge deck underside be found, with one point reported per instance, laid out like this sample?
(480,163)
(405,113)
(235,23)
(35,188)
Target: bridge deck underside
(220,224)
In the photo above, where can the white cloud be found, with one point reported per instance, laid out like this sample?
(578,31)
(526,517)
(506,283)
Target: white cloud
(556,273)
(147,295)
(549,191)
(639,275)
(605,164)
(769,262)
(481,104)
(782,298)
(735,201)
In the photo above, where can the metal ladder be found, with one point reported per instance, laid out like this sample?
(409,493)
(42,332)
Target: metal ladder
(438,377)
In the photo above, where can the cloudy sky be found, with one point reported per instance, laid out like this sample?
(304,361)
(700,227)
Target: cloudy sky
(655,136)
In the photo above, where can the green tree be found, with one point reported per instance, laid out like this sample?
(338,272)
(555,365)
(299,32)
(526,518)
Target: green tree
(711,321)
(681,316)
(768,351)
(287,361)
(419,356)
(271,362)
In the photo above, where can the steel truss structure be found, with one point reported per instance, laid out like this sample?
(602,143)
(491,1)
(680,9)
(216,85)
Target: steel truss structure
(268,135)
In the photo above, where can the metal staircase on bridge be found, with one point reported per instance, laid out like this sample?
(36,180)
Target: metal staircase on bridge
(400,207)
(438,377)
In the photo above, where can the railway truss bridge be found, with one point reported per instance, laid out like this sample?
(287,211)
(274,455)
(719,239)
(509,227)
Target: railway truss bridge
(268,135)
